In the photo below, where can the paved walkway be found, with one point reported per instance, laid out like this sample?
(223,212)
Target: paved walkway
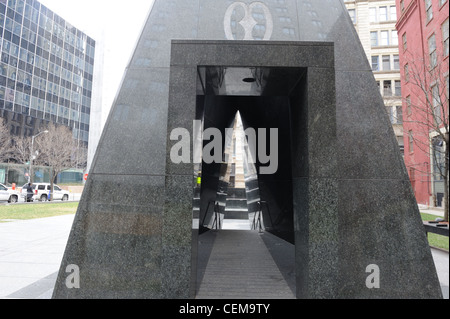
(31,252)
(240,266)
(30,256)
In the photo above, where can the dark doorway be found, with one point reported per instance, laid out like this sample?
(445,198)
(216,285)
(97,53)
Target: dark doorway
(289,87)
(262,99)
(262,96)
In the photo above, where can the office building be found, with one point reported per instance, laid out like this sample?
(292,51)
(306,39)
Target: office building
(46,70)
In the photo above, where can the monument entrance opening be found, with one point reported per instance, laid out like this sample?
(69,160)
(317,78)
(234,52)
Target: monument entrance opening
(260,137)
(249,188)
(279,96)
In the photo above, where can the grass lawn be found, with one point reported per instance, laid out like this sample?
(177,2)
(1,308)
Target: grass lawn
(435,240)
(31,211)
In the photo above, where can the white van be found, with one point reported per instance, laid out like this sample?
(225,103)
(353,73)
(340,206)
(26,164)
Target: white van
(42,192)
(9,195)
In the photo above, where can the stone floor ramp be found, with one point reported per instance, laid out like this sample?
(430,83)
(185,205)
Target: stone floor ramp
(244,264)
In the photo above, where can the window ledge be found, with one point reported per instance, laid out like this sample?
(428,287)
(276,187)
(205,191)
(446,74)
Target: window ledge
(384,22)
(386,71)
(389,46)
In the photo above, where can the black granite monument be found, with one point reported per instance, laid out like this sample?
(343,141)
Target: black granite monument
(340,194)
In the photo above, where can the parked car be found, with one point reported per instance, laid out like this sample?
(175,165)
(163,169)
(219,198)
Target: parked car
(42,192)
(9,195)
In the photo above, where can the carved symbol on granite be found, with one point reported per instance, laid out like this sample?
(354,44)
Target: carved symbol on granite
(248,23)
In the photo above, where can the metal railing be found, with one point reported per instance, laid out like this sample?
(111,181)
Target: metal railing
(216,222)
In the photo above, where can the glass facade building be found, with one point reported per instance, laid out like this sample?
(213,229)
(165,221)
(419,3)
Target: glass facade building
(46,70)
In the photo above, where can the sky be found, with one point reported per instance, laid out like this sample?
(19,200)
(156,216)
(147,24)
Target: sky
(111,22)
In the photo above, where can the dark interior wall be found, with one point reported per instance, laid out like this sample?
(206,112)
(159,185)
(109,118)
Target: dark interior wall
(218,112)
(275,189)
(299,128)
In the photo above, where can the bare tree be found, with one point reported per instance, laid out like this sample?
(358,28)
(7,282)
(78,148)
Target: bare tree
(55,150)
(79,157)
(430,110)
(5,142)
(21,149)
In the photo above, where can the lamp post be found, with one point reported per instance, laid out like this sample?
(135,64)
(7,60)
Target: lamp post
(31,155)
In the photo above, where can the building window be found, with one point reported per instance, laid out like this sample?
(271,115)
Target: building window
(404,41)
(352,14)
(384,37)
(398,88)
(396,62)
(408,105)
(393,13)
(406,69)
(375,63)
(438,157)
(372,14)
(383,14)
(374,38)
(402,5)
(446,87)
(441,2)
(399,115)
(386,62)
(432,51)
(429,9)
(436,105)
(394,36)
(390,112)
(445,37)
(411,143)
(387,88)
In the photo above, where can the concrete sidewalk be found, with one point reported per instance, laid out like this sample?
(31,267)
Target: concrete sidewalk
(30,255)
(31,252)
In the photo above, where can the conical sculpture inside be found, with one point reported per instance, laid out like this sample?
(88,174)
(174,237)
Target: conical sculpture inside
(339,192)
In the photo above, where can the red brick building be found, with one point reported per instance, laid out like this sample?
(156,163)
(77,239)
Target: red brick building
(423,31)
